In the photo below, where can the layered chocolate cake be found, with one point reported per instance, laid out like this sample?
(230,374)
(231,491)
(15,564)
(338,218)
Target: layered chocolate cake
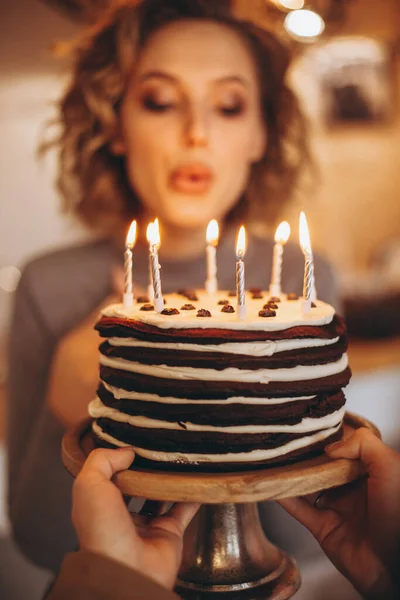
(195,387)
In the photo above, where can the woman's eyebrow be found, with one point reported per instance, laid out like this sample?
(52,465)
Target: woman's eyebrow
(173,79)
(158,74)
(234,79)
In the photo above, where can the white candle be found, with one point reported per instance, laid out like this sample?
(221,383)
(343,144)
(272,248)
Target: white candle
(154,240)
(240,284)
(211,252)
(281,237)
(150,289)
(308,265)
(313,289)
(128,266)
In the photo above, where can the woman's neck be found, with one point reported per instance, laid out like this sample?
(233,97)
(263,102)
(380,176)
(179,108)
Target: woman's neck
(183,244)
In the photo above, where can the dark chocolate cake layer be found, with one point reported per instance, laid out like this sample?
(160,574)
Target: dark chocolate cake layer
(123,328)
(220,361)
(201,442)
(290,412)
(193,389)
(290,457)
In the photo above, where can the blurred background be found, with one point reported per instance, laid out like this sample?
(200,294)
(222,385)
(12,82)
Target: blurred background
(346,69)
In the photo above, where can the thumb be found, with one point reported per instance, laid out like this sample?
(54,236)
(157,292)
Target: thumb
(95,476)
(99,514)
(95,497)
(103,463)
(363,445)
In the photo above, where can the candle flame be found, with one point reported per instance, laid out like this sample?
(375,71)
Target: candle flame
(241,243)
(157,233)
(149,232)
(131,237)
(212,234)
(153,233)
(305,242)
(282,233)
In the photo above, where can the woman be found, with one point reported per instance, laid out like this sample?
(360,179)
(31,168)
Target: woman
(175,110)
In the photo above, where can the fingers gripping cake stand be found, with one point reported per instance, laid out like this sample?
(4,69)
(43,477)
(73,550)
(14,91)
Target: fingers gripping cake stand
(226,554)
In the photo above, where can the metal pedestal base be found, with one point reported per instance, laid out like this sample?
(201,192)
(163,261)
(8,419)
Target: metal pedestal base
(226,555)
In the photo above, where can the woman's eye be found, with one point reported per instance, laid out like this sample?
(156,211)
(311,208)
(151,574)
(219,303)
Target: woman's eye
(231,110)
(155,105)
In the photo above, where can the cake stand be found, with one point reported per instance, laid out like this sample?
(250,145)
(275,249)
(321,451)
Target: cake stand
(226,554)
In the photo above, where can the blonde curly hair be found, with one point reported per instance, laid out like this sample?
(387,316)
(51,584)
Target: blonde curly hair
(93,181)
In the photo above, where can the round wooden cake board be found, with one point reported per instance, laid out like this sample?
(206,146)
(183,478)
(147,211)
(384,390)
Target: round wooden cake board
(300,478)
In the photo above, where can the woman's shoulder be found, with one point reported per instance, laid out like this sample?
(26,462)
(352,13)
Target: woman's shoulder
(73,258)
(63,285)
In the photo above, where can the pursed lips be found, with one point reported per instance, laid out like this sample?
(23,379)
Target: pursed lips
(191,178)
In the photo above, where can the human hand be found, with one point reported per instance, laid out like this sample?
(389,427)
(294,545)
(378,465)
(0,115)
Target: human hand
(152,546)
(358,525)
(74,374)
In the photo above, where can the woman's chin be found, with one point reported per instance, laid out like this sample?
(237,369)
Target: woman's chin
(190,211)
(186,219)
(187,225)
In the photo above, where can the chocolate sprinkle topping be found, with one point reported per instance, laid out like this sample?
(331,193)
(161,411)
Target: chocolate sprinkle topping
(147,307)
(232,293)
(170,311)
(189,294)
(227,309)
(270,304)
(255,290)
(188,307)
(257,296)
(267,312)
(274,299)
(292,296)
(142,299)
(203,313)
(222,302)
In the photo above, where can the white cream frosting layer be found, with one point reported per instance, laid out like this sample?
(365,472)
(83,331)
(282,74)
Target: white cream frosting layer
(253,456)
(267,348)
(289,314)
(299,373)
(98,410)
(121,394)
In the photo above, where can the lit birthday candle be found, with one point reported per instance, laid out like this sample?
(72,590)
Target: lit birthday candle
(211,252)
(150,289)
(308,265)
(240,286)
(128,265)
(281,237)
(154,241)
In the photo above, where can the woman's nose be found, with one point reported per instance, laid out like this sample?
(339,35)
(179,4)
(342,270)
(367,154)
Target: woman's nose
(196,131)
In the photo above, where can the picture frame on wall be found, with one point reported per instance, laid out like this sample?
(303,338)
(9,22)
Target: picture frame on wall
(357,82)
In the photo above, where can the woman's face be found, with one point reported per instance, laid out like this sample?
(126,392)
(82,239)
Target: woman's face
(191,124)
